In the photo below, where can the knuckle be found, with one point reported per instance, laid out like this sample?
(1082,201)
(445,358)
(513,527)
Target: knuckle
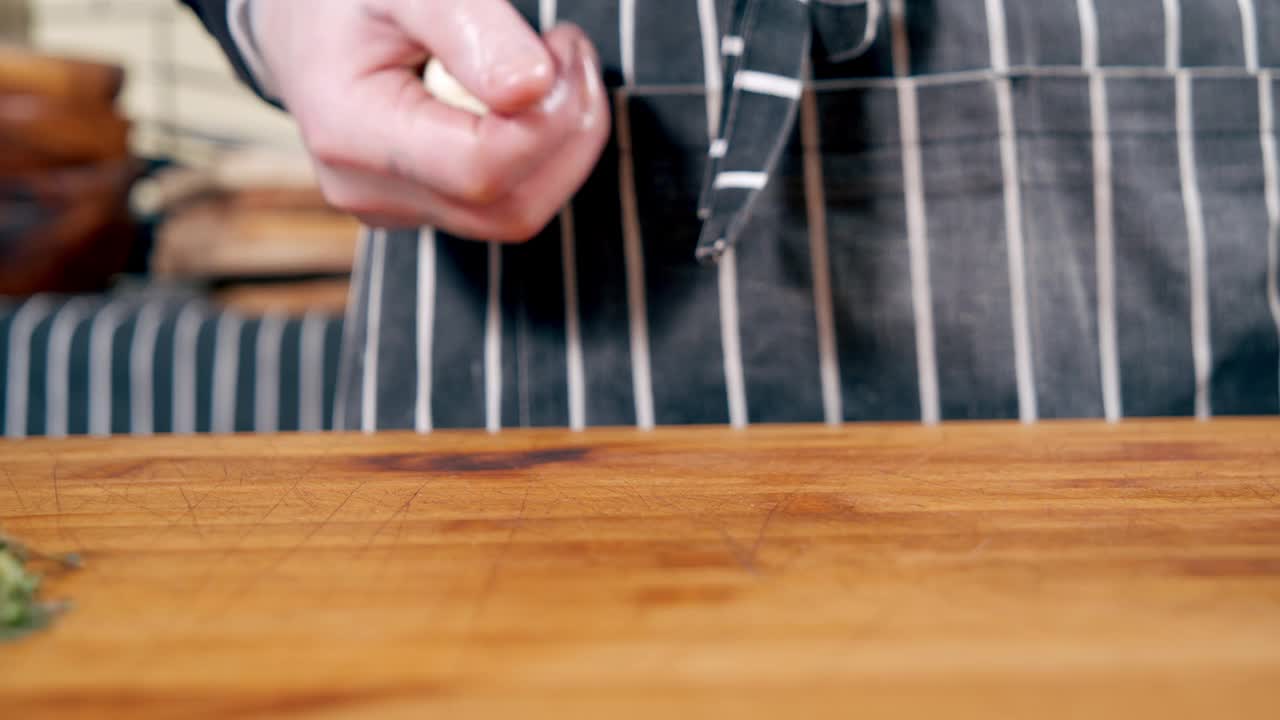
(370,206)
(326,144)
(340,195)
(523,224)
(482,184)
(348,198)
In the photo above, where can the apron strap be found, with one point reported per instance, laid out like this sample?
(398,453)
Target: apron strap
(766,53)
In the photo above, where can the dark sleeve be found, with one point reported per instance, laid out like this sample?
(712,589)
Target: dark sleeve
(213,13)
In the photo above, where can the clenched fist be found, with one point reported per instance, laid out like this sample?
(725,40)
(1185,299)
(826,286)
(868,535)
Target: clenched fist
(350,72)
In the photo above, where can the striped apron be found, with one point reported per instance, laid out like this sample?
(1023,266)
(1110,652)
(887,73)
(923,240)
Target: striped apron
(913,210)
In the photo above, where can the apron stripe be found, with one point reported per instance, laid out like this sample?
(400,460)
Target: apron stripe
(713,78)
(731,340)
(1172,35)
(311,381)
(270,344)
(58,377)
(226,371)
(185,341)
(1027,409)
(351,360)
(642,381)
(1201,350)
(730,324)
(575,373)
(1104,212)
(816,207)
(25,366)
(101,366)
(627,40)
(142,355)
(493,342)
(1271,167)
(638,322)
(423,420)
(917,218)
(373,323)
(1249,31)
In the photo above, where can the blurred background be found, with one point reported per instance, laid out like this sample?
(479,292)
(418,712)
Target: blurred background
(180,92)
(167,263)
(132,153)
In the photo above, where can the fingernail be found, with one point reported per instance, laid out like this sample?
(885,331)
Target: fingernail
(561,90)
(593,87)
(588,52)
(529,71)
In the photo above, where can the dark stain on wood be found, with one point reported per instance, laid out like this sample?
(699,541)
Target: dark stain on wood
(809,504)
(201,704)
(1152,451)
(666,595)
(1230,566)
(489,462)
(1109,482)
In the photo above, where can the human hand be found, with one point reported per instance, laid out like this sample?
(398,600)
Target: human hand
(388,152)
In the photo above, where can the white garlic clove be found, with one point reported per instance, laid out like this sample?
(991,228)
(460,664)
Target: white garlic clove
(445,88)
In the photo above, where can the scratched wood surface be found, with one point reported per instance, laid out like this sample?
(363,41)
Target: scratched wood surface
(1065,570)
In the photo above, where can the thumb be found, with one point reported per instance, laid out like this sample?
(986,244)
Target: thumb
(486,45)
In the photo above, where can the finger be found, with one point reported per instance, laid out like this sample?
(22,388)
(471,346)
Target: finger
(535,201)
(389,201)
(379,200)
(486,45)
(382,201)
(391,125)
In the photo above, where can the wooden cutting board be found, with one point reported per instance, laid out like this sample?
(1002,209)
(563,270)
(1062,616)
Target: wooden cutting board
(969,571)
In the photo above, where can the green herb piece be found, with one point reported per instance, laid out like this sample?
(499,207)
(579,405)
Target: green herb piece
(21,611)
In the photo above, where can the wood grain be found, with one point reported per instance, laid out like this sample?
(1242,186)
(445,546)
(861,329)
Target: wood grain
(987,570)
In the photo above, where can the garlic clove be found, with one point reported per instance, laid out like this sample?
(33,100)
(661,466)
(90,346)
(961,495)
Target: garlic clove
(445,88)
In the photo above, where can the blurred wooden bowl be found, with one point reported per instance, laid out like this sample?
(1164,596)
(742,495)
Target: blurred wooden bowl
(18,160)
(65,230)
(37,128)
(61,79)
